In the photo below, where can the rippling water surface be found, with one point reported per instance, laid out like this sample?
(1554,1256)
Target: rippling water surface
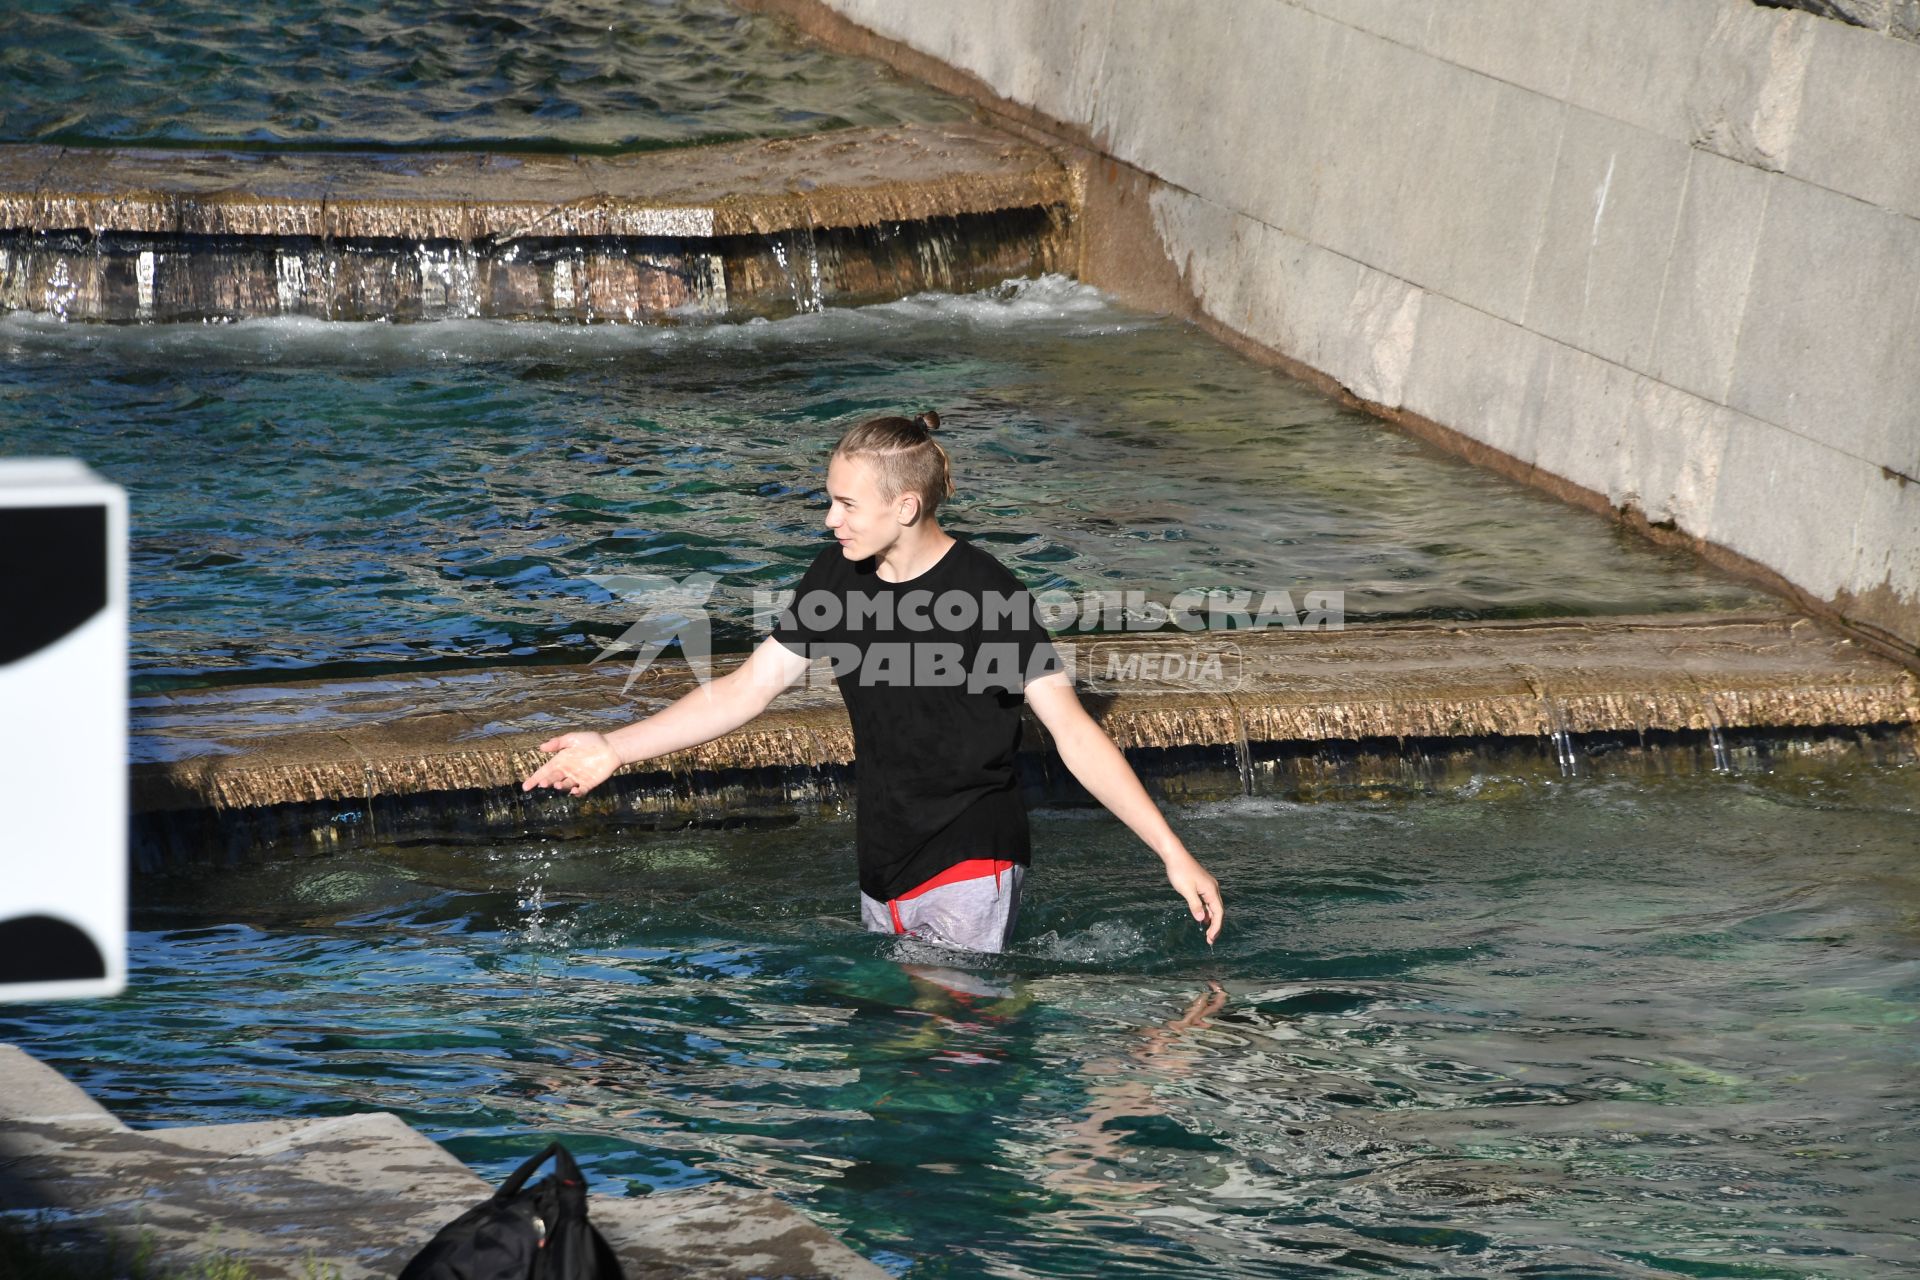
(323,498)
(1580,1029)
(503,74)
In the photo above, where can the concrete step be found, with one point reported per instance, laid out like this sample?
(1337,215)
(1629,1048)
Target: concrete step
(847,178)
(359,1194)
(407,756)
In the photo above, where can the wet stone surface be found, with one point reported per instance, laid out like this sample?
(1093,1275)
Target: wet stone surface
(761,228)
(352,1196)
(321,764)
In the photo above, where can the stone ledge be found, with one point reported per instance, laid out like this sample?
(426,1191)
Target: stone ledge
(851,178)
(360,1194)
(227,749)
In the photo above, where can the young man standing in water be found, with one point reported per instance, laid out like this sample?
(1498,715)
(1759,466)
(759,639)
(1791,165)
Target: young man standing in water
(934,646)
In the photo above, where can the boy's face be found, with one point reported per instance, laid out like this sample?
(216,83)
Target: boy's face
(862,519)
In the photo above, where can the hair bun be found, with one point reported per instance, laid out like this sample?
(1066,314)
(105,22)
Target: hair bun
(930,420)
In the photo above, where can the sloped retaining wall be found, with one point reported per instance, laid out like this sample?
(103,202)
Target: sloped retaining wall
(1661,255)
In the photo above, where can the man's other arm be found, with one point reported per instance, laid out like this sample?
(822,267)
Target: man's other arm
(1093,758)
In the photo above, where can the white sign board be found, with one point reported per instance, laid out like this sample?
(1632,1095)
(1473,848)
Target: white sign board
(63,731)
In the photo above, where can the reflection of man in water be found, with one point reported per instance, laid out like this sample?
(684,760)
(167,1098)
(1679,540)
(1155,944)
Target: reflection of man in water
(936,647)
(950,1082)
(1092,1146)
(936,1074)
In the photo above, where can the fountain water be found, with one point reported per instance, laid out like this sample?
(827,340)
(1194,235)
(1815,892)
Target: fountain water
(762,228)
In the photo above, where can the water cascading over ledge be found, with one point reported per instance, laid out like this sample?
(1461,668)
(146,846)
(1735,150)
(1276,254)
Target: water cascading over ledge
(750,229)
(1370,711)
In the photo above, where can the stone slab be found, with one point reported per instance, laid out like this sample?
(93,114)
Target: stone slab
(1533,45)
(1583,408)
(1763,468)
(359,1194)
(1478,370)
(1482,176)
(1667,464)
(1608,232)
(1264,85)
(182,192)
(1826,345)
(1635,62)
(1276,287)
(34,1094)
(1170,140)
(1280,290)
(21,168)
(1361,171)
(1402,21)
(1253,56)
(1042,56)
(175,279)
(432,734)
(1889,509)
(1743,101)
(1709,271)
(1860,92)
(850,178)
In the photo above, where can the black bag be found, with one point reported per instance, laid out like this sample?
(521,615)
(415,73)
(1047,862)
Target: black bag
(540,1233)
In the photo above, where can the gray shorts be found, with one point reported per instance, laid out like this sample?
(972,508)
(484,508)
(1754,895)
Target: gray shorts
(973,915)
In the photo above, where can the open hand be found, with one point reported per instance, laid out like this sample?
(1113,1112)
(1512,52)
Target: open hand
(581,762)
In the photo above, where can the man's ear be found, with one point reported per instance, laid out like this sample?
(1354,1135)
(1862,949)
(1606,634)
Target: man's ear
(909,508)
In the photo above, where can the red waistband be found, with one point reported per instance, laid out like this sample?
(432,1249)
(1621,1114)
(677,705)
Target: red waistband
(971,869)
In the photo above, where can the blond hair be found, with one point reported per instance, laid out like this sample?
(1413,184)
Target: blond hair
(905,457)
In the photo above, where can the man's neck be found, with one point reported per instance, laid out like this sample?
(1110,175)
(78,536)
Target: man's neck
(905,560)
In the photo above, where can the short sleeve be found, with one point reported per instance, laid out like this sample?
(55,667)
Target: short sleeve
(1018,632)
(791,628)
(1038,657)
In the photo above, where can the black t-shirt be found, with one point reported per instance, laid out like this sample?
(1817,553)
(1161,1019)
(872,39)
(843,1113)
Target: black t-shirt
(932,671)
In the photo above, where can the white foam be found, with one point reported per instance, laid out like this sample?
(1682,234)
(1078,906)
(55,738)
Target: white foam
(1052,303)
(1106,942)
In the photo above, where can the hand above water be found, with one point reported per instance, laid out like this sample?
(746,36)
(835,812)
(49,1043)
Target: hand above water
(1193,882)
(581,761)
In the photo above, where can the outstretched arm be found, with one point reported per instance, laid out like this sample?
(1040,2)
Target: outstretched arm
(585,759)
(1093,758)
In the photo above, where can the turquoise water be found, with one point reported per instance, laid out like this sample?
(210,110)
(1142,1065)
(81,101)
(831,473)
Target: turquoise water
(1579,1029)
(312,498)
(1525,1029)
(589,75)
